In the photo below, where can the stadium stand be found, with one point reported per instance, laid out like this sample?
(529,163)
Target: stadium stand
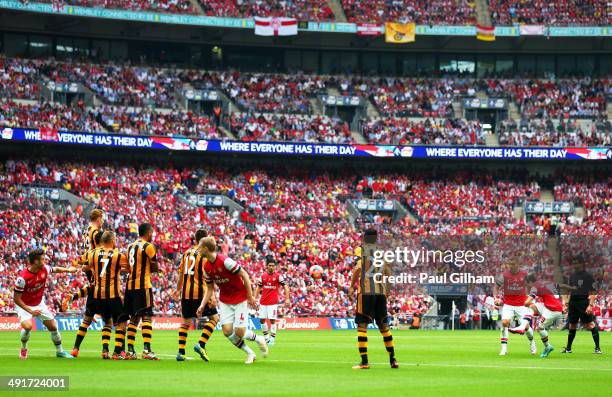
(300,219)
(551,13)
(279,107)
(420,11)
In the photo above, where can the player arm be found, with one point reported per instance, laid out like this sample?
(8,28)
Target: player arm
(247,282)
(286,290)
(124,265)
(355,277)
(18,290)
(256,295)
(207,295)
(19,302)
(152,254)
(181,271)
(62,269)
(387,272)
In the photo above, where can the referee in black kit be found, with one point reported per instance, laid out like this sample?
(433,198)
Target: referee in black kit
(582,298)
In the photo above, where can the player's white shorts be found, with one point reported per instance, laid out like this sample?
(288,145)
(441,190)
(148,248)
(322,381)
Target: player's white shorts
(237,314)
(45,313)
(509,312)
(268,311)
(547,317)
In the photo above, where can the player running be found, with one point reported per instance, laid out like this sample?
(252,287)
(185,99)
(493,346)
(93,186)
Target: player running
(581,302)
(139,291)
(106,262)
(548,307)
(235,296)
(514,300)
(371,302)
(269,285)
(28,295)
(191,287)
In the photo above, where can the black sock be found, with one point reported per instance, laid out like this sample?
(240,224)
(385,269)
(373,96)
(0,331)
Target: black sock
(570,338)
(595,333)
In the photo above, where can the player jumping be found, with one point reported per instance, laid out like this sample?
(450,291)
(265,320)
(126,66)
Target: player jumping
(235,296)
(269,285)
(191,287)
(29,300)
(139,291)
(371,302)
(92,241)
(106,263)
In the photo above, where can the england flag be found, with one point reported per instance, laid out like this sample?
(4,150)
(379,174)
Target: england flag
(271,26)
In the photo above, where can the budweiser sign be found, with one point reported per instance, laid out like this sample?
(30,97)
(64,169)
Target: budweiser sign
(9,324)
(311,323)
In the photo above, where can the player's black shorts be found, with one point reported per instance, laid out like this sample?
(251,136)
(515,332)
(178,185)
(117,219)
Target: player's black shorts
(577,311)
(89,309)
(189,307)
(371,308)
(108,308)
(139,302)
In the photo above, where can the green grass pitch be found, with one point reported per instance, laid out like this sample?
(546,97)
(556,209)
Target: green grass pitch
(318,363)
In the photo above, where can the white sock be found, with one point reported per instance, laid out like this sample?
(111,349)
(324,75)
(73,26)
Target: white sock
(529,334)
(273,330)
(504,337)
(25,337)
(247,349)
(526,320)
(264,327)
(239,343)
(250,335)
(57,341)
(544,336)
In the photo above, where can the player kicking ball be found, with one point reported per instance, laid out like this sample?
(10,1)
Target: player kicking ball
(548,307)
(28,295)
(268,286)
(235,297)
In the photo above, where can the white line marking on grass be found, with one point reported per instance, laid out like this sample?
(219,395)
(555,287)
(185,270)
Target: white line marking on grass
(409,364)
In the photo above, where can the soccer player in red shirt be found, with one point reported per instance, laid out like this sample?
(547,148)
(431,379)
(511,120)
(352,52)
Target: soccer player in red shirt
(514,299)
(29,300)
(235,297)
(547,306)
(268,285)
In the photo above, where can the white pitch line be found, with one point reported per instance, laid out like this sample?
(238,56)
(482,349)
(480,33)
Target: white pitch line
(409,364)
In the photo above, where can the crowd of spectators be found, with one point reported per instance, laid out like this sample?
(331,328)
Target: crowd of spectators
(272,93)
(166,6)
(19,78)
(415,97)
(564,133)
(551,13)
(404,131)
(106,118)
(119,84)
(302,10)
(141,100)
(300,217)
(563,98)
(46,115)
(423,12)
(290,127)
